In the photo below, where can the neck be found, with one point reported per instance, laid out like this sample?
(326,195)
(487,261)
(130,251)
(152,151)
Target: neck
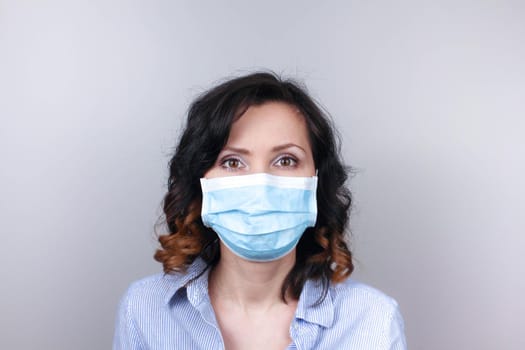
(250,285)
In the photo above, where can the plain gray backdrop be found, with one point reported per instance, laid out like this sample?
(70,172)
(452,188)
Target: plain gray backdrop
(428,97)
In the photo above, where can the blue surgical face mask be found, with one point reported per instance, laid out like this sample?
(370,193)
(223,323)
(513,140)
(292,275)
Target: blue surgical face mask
(259,217)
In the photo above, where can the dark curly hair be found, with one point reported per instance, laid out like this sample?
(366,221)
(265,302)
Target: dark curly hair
(322,253)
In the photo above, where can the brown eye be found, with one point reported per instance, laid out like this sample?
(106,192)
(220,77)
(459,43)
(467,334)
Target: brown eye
(233,163)
(286,162)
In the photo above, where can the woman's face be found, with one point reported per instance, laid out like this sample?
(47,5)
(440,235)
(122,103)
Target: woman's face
(271,138)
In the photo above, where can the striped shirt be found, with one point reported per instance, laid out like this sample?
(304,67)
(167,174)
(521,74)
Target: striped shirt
(174,312)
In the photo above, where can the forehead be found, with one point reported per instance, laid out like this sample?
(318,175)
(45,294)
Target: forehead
(275,121)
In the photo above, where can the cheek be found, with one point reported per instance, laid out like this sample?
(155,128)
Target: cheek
(212,172)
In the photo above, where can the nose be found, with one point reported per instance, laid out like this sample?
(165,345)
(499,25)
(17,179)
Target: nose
(259,166)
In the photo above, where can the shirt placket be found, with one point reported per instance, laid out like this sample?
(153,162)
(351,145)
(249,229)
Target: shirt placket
(304,334)
(198,297)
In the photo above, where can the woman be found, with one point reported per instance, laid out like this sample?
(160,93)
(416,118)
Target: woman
(256,257)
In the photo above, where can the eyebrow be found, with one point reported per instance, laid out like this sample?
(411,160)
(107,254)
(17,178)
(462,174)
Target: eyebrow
(236,150)
(287,145)
(274,149)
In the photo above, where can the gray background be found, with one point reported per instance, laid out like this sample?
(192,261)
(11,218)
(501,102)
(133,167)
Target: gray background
(428,97)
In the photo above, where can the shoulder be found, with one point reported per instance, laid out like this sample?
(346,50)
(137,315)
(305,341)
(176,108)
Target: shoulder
(161,287)
(367,311)
(152,285)
(150,292)
(361,295)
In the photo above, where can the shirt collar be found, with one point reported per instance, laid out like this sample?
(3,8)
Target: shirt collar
(311,309)
(181,279)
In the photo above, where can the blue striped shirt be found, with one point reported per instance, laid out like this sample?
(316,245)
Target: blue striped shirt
(174,312)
